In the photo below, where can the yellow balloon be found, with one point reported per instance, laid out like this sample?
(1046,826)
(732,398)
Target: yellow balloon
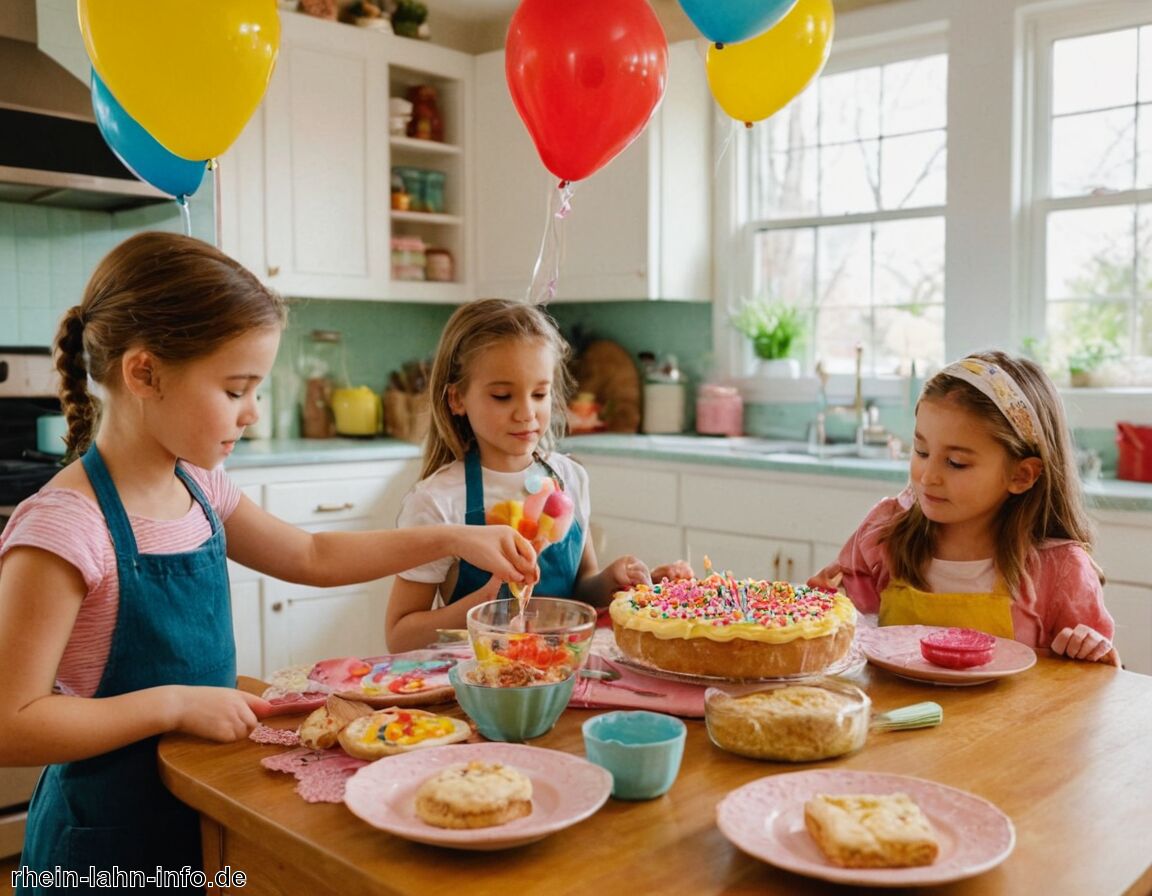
(190,72)
(757,78)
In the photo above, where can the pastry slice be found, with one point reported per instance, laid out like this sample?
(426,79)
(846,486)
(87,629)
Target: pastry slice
(396,730)
(474,795)
(871,830)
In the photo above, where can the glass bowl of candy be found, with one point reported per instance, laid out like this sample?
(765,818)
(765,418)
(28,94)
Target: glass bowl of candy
(546,642)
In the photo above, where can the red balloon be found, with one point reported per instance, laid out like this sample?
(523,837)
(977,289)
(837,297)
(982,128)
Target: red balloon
(585,78)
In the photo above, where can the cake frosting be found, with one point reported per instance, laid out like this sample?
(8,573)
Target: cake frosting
(720,626)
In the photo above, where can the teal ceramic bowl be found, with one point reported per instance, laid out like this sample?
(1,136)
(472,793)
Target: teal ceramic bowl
(511,714)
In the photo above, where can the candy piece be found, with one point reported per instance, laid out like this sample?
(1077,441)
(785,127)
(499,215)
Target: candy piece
(560,527)
(527,528)
(534,503)
(508,513)
(544,527)
(558,504)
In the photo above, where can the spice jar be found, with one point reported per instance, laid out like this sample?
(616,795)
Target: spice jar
(719,410)
(321,361)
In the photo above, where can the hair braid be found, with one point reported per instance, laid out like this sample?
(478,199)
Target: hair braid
(81,408)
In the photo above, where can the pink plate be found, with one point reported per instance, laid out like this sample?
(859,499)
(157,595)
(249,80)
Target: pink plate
(565,789)
(766,820)
(897,649)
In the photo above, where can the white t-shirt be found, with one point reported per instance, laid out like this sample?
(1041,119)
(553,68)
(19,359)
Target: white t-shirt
(961,576)
(442,498)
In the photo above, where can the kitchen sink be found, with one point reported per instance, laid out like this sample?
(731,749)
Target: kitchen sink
(782,448)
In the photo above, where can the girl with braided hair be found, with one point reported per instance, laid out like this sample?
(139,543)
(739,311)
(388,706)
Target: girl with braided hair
(115,623)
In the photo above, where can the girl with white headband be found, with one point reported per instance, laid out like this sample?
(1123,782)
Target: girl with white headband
(991,532)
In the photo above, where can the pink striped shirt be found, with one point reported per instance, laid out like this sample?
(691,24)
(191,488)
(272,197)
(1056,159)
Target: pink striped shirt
(71,525)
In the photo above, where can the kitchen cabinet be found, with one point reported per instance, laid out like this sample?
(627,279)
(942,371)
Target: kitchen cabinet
(281,623)
(746,521)
(639,228)
(304,197)
(1122,541)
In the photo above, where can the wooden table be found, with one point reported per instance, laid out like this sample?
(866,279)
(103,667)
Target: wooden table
(1065,749)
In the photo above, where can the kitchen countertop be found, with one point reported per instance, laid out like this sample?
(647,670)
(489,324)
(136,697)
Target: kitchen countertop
(734,453)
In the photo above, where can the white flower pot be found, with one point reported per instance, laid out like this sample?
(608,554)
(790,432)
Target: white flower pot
(785,368)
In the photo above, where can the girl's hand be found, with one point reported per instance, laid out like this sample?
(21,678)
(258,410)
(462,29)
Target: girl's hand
(680,569)
(1085,643)
(220,714)
(828,578)
(501,550)
(626,571)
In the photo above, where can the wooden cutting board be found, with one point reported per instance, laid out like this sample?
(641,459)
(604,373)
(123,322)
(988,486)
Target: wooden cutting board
(606,370)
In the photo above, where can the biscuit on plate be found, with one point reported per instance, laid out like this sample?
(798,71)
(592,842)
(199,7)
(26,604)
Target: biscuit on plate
(322,727)
(397,730)
(474,795)
(867,830)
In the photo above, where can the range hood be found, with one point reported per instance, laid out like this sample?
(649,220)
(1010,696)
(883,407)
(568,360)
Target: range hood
(51,150)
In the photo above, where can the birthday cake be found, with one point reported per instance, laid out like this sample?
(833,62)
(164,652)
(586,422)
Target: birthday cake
(724,628)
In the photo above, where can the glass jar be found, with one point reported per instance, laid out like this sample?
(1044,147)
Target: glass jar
(719,410)
(321,363)
(438,265)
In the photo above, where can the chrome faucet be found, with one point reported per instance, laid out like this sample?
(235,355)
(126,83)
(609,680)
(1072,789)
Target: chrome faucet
(818,431)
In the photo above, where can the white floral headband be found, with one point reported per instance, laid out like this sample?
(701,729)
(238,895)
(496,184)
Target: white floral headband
(995,382)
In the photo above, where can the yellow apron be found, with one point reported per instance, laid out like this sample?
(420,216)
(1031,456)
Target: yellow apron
(901,604)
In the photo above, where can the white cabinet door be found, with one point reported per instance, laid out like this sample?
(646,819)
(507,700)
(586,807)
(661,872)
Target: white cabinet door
(639,227)
(326,180)
(303,625)
(654,543)
(247,627)
(1131,607)
(774,559)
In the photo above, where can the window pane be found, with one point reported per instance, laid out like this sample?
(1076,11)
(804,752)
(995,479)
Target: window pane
(909,262)
(1091,252)
(1145,90)
(908,334)
(849,177)
(1144,250)
(1086,334)
(844,265)
(850,106)
(783,265)
(912,170)
(1144,330)
(1094,72)
(837,332)
(1093,151)
(913,94)
(1144,142)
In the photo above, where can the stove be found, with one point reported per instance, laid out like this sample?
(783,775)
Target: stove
(27,392)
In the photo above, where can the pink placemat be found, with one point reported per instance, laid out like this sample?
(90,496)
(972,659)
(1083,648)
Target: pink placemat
(320,774)
(635,690)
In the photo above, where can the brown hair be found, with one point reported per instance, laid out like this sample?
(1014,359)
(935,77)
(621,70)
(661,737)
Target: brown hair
(474,328)
(1051,508)
(178,297)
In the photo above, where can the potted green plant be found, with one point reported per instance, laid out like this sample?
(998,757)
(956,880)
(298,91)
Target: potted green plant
(408,18)
(774,328)
(1098,330)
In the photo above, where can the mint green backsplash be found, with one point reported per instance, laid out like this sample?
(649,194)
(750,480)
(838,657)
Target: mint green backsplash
(47,255)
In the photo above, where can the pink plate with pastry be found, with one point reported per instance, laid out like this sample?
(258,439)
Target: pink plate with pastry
(766,820)
(566,789)
(415,678)
(899,649)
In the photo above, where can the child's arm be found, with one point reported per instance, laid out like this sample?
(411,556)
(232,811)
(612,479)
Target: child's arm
(263,542)
(597,587)
(1085,643)
(40,596)
(411,622)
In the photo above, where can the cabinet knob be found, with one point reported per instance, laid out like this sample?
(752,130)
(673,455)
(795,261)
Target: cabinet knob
(278,607)
(333,508)
(273,270)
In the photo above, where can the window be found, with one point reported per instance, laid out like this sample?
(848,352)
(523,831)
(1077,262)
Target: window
(843,210)
(1092,197)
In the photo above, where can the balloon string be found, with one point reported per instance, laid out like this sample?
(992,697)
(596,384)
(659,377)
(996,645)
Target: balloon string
(546,273)
(185,214)
(726,131)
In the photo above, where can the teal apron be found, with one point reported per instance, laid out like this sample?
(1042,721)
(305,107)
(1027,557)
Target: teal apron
(173,626)
(559,563)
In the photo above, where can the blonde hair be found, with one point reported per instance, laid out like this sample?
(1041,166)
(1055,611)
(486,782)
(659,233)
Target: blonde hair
(1052,508)
(471,330)
(175,296)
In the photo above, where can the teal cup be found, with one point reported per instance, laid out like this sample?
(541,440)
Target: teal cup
(641,749)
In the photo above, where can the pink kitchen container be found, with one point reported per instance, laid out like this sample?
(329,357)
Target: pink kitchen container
(719,410)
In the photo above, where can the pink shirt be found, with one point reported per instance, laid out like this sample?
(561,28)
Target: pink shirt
(1060,587)
(71,525)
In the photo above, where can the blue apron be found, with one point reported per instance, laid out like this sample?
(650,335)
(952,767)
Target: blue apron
(559,563)
(173,626)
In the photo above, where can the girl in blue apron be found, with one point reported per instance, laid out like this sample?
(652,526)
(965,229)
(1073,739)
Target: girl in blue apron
(115,616)
(500,388)
(991,533)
